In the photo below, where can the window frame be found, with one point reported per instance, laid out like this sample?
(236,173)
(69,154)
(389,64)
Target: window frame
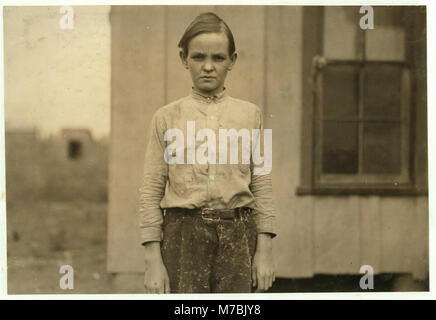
(412,182)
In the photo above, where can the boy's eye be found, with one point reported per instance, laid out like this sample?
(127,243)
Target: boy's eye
(197,57)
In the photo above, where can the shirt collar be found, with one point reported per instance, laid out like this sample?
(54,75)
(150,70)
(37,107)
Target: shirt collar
(209,98)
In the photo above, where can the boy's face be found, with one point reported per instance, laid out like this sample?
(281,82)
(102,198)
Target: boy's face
(208,61)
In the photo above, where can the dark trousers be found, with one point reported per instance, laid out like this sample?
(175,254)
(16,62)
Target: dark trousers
(204,256)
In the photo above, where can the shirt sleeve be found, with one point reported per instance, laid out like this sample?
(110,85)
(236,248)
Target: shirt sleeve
(153,183)
(261,182)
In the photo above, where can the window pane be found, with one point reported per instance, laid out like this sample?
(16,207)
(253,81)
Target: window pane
(340,92)
(387,40)
(339,149)
(341,27)
(382,148)
(382,98)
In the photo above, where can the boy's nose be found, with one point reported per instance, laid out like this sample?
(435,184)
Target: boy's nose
(208,66)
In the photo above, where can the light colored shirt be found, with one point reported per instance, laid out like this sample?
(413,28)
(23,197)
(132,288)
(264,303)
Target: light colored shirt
(194,185)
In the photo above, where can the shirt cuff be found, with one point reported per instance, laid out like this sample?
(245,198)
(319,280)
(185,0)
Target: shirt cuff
(266,226)
(149,234)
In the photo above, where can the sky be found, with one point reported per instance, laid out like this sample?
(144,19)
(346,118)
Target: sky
(57,77)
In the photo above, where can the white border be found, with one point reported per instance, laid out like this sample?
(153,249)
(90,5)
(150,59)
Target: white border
(3,233)
(217,2)
(233,297)
(431,52)
(431,118)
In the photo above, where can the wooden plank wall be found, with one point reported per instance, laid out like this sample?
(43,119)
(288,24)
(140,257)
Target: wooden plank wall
(327,235)
(138,88)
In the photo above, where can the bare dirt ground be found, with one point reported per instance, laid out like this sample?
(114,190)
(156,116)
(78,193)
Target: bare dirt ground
(44,235)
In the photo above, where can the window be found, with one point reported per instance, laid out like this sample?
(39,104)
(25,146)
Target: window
(362,122)
(74,149)
(358,136)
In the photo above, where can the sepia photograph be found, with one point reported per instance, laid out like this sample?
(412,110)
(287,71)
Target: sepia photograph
(162,149)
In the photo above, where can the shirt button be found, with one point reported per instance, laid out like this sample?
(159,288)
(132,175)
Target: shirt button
(212,117)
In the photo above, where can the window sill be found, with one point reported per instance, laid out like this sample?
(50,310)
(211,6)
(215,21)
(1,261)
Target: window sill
(361,190)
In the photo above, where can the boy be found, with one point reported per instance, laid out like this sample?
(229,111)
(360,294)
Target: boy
(217,219)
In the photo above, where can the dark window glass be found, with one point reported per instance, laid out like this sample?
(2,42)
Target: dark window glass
(375,132)
(382,148)
(382,92)
(339,147)
(340,92)
(74,149)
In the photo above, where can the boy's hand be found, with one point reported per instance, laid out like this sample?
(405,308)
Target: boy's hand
(156,278)
(263,263)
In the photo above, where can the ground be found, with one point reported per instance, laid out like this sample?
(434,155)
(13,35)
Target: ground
(44,235)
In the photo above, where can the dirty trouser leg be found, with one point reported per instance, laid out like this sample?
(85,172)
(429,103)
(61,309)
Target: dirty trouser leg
(208,256)
(231,271)
(188,249)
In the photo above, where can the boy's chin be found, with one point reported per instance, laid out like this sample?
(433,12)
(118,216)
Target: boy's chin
(207,89)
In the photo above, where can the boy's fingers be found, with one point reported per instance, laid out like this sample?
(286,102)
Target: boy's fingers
(145,287)
(254,276)
(156,287)
(167,286)
(260,281)
(265,282)
(162,287)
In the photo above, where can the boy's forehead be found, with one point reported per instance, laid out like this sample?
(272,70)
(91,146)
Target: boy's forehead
(216,42)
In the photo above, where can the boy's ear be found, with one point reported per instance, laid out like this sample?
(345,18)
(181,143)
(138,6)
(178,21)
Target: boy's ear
(183,59)
(233,59)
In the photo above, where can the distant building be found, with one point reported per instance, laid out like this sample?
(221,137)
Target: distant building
(68,166)
(78,142)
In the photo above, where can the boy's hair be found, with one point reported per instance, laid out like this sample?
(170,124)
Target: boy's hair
(207,22)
